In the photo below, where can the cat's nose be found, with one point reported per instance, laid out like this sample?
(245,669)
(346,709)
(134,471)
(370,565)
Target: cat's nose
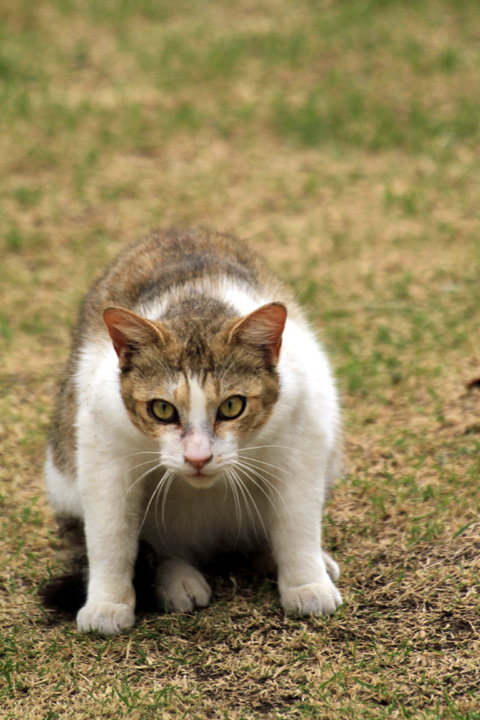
(196,461)
(197,450)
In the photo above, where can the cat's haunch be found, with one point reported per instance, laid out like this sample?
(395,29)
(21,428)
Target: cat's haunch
(197,412)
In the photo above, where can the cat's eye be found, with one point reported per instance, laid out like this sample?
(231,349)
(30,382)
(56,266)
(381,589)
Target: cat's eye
(232,407)
(163,411)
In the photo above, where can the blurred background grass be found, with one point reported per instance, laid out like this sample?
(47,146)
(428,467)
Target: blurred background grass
(341,138)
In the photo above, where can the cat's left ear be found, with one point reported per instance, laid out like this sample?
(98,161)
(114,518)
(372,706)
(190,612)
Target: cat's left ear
(129,332)
(263,328)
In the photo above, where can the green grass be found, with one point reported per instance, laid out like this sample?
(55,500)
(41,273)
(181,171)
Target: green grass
(341,139)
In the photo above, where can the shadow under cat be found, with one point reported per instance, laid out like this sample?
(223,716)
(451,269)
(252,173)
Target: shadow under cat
(65,594)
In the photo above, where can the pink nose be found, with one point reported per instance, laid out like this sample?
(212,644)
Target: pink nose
(197,462)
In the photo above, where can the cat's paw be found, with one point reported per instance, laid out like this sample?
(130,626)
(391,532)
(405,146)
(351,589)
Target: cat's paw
(180,587)
(105,617)
(321,598)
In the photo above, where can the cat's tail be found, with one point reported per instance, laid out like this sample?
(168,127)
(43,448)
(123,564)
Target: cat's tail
(67,593)
(64,594)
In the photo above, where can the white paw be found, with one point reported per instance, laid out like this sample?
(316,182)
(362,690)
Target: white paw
(321,598)
(105,617)
(180,587)
(332,567)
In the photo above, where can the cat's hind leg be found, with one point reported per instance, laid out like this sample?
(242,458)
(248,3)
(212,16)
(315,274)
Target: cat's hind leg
(180,587)
(264,564)
(62,490)
(332,567)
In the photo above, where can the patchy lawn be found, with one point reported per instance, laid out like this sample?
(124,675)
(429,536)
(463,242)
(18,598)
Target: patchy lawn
(341,138)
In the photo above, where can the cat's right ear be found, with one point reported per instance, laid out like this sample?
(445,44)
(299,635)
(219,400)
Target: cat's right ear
(129,332)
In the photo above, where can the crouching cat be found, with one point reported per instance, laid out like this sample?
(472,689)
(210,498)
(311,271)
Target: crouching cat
(197,412)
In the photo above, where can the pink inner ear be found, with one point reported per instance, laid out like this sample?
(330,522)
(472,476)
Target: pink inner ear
(128,329)
(263,326)
(113,321)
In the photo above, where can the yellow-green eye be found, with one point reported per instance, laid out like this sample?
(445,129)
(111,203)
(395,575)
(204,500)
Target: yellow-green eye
(232,407)
(163,411)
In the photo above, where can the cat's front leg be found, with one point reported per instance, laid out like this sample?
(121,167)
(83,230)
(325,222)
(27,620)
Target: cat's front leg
(304,582)
(111,516)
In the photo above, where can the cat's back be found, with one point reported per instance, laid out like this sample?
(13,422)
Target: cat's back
(175,260)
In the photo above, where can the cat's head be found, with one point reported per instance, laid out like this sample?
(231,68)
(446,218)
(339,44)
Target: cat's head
(199,383)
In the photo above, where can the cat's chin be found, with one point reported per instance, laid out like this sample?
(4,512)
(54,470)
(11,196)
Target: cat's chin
(200,481)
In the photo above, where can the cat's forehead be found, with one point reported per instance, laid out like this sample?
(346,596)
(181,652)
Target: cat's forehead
(193,390)
(207,380)
(198,390)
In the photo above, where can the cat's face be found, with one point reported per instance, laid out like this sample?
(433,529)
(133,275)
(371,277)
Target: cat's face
(200,393)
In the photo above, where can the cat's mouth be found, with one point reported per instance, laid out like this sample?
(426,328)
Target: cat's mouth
(201,480)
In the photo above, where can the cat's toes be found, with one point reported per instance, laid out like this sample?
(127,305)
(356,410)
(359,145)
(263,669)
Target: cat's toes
(313,599)
(181,588)
(332,567)
(105,617)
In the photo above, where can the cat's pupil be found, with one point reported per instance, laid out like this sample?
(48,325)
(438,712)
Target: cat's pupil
(231,408)
(163,410)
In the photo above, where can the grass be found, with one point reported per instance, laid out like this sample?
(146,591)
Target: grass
(341,138)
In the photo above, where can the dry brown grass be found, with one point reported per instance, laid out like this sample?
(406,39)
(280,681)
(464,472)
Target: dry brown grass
(377,232)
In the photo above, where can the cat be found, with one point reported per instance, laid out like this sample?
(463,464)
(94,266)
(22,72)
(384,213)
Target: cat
(197,412)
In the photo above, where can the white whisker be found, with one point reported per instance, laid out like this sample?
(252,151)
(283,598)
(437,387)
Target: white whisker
(280,447)
(254,463)
(147,462)
(225,370)
(247,491)
(248,470)
(262,462)
(157,489)
(170,477)
(261,472)
(166,478)
(236,500)
(241,488)
(158,492)
(143,475)
(142,452)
